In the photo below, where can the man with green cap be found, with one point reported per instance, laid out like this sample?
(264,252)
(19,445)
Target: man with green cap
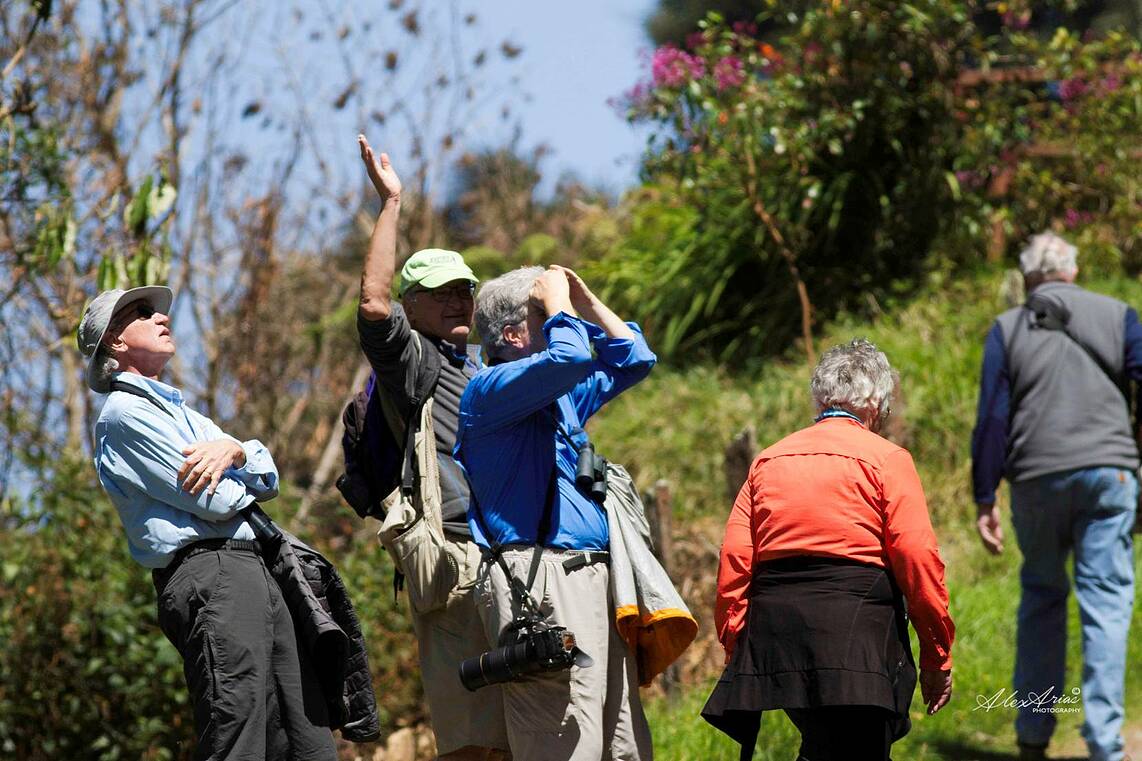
(427,531)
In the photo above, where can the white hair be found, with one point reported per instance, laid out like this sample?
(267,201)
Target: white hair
(105,365)
(501,303)
(854,377)
(1048,254)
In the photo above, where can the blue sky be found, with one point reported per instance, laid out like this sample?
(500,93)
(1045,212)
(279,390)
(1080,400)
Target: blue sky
(576,56)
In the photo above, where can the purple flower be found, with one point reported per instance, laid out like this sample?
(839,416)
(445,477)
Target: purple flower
(1072,88)
(1017,20)
(671,67)
(1073,218)
(695,40)
(745,27)
(728,73)
(1111,83)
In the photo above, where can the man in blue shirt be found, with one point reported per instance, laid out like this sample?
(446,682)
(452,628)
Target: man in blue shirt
(1054,420)
(179,484)
(557,355)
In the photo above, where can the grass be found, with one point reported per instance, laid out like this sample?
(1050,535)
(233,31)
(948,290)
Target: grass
(984,593)
(678,422)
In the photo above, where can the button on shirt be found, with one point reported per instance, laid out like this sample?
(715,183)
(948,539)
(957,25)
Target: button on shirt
(138,453)
(508,441)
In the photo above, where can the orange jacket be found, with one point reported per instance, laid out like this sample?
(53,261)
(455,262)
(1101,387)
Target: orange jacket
(836,489)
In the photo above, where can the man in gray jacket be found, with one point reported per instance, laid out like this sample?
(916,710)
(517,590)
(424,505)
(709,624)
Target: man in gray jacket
(433,547)
(1054,419)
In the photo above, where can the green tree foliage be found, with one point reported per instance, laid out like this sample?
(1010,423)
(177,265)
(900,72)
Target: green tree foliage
(84,670)
(1053,141)
(817,167)
(820,172)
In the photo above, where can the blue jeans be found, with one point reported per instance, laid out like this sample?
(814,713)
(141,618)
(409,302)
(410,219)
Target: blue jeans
(1090,511)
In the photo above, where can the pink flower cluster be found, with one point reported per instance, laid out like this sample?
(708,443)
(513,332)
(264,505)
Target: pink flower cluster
(1073,218)
(671,67)
(969,179)
(1017,20)
(1072,88)
(728,73)
(747,28)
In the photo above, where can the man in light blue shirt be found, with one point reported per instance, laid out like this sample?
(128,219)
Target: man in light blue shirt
(557,355)
(180,485)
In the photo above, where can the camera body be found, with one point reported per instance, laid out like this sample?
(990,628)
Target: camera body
(538,646)
(591,473)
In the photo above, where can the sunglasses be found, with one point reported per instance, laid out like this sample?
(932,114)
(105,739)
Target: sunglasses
(444,295)
(140,310)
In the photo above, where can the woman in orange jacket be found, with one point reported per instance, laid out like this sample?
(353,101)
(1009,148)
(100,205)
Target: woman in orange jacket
(828,539)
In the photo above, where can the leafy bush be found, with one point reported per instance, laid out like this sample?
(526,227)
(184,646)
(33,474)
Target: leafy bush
(819,174)
(84,670)
(1052,141)
(817,171)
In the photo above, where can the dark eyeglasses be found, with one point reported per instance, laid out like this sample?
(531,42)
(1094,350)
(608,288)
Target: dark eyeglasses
(140,310)
(444,295)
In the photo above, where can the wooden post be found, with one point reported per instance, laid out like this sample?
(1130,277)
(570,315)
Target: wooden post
(738,459)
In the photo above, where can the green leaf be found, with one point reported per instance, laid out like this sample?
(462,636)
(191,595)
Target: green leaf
(161,198)
(954,184)
(138,210)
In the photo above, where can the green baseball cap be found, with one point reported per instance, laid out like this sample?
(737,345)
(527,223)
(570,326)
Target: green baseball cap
(432,268)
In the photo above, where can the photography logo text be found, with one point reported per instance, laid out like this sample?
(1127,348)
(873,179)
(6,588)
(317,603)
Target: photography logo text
(1044,702)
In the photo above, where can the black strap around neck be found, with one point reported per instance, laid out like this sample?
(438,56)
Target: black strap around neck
(1050,314)
(127,388)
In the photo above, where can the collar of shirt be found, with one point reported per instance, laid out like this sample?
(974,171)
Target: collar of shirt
(151,386)
(470,358)
(833,412)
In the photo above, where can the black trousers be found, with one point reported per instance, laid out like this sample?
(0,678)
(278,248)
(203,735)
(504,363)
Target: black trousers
(225,614)
(843,733)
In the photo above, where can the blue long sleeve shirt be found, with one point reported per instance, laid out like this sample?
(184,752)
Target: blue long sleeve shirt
(989,446)
(508,443)
(138,453)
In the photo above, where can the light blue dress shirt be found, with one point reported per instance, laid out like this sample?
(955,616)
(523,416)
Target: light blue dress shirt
(138,453)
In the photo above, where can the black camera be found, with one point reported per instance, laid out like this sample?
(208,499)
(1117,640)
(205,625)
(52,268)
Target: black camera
(591,473)
(538,647)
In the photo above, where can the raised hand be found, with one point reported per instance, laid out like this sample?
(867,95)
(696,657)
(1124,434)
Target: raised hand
(380,170)
(551,291)
(580,295)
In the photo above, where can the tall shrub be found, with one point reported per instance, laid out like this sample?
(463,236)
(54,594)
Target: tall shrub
(817,167)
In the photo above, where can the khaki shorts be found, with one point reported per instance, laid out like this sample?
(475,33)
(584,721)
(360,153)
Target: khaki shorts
(579,714)
(446,636)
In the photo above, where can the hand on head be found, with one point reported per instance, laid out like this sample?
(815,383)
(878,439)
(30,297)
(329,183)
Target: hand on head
(551,291)
(380,170)
(578,292)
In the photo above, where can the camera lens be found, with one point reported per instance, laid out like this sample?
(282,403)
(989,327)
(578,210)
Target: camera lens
(504,664)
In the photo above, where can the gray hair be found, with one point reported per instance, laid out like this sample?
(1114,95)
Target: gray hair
(502,302)
(1048,254)
(103,366)
(854,377)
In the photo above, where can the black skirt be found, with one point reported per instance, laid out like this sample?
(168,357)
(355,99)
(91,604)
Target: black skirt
(819,632)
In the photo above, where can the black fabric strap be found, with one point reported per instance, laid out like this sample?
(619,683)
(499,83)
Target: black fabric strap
(1054,315)
(127,388)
